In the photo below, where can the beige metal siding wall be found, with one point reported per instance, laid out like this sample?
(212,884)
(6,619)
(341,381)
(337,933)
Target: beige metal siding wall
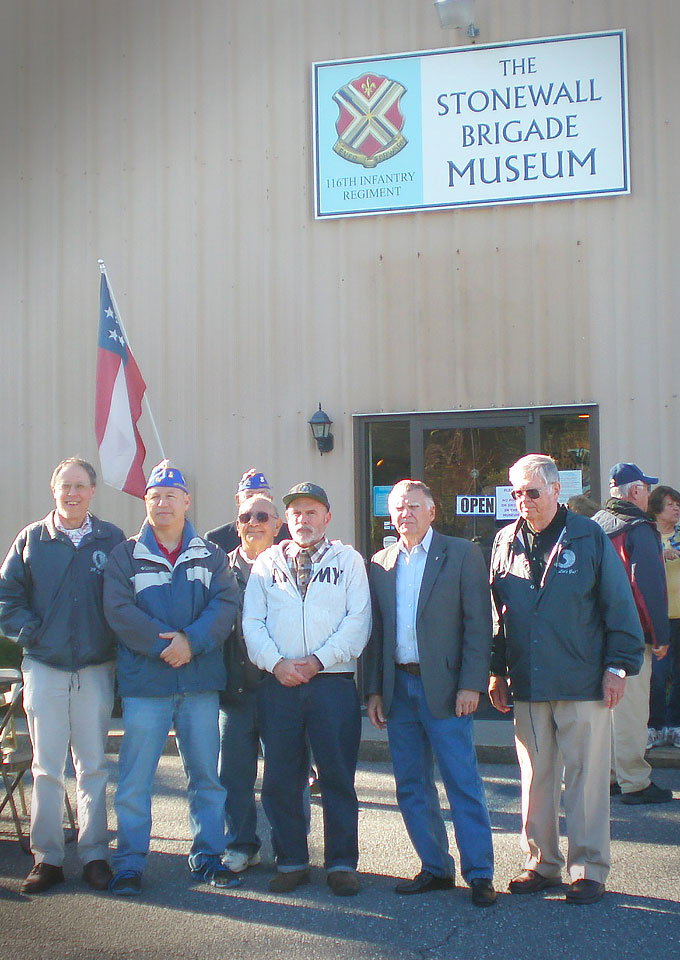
(173,139)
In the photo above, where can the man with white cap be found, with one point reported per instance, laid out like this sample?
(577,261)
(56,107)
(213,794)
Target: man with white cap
(633,533)
(306,619)
(171,599)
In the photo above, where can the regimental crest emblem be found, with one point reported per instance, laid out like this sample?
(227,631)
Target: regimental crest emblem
(370,122)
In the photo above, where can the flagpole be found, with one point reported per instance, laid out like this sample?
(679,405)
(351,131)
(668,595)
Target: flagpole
(102,267)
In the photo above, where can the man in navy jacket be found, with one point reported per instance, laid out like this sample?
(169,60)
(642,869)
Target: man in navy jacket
(171,599)
(51,605)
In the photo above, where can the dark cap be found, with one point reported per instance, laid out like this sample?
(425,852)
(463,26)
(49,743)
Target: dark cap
(165,475)
(622,473)
(306,489)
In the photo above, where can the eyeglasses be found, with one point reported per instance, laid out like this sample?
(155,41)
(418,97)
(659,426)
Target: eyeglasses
(260,516)
(533,493)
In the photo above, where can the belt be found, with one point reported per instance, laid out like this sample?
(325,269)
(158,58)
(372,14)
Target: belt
(343,676)
(412,668)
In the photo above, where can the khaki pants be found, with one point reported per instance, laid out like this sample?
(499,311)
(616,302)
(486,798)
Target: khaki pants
(65,710)
(573,735)
(629,766)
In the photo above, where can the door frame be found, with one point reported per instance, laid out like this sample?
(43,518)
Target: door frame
(419,421)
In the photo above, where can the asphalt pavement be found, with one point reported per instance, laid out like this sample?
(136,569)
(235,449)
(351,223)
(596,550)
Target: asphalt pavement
(178,919)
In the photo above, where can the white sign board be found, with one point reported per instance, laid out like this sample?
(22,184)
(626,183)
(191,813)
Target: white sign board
(517,122)
(571,483)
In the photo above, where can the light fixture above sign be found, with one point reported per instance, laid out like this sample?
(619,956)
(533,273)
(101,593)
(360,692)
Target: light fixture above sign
(457,14)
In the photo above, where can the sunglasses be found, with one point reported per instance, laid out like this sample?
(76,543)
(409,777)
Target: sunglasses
(259,516)
(533,493)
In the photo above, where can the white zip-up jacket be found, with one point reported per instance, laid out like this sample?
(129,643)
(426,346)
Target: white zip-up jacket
(333,621)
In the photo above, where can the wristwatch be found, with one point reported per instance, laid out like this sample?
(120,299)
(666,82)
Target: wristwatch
(618,672)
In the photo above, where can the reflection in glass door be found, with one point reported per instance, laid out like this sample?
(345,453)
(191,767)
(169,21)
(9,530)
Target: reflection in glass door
(469,463)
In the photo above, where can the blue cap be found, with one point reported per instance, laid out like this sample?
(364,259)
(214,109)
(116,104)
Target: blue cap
(164,475)
(254,481)
(622,473)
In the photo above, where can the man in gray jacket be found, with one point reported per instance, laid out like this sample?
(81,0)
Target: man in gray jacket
(567,635)
(306,618)
(426,664)
(51,586)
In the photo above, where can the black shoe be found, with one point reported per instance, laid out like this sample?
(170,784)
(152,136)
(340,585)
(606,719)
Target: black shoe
(614,790)
(651,794)
(423,883)
(530,881)
(42,877)
(126,883)
(97,874)
(585,891)
(483,893)
(344,883)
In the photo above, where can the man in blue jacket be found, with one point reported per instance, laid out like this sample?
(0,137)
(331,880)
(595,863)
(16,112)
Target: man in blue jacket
(171,600)
(637,541)
(51,605)
(566,637)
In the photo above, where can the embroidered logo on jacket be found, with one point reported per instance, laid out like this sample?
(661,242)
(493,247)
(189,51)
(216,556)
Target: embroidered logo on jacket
(566,560)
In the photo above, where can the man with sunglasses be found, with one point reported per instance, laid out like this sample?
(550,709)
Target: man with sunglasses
(252,483)
(257,525)
(566,636)
(637,541)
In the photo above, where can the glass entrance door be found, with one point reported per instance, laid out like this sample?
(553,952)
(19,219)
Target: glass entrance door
(463,457)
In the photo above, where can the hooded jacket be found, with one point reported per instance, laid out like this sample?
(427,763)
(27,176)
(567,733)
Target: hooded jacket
(555,640)
(638,543)
(333,621)
(144,596)
(51,594)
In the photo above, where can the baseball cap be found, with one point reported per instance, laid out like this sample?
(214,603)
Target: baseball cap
(256,481)
(307,489)
(165,475)
(622,473)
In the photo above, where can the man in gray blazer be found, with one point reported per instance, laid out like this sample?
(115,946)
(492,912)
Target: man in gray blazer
(426,663)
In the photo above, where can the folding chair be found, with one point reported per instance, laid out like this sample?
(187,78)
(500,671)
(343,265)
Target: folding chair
(16,753)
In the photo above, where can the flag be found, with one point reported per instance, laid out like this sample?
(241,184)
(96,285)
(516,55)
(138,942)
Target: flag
(118,403)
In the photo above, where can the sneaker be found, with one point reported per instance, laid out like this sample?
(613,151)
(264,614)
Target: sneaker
(126,883)
(42,877)
(651,794)
(237,860)
(217,875)
(672,736)
(655,738)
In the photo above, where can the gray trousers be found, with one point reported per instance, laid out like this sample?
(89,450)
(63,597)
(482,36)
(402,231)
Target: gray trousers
(68,709)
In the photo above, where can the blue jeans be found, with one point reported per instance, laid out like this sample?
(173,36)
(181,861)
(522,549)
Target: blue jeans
(324,713)
(148,721)
(239,747)
(664,694)
(414,735)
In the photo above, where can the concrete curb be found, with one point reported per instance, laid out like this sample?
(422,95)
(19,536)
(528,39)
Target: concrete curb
(494,743)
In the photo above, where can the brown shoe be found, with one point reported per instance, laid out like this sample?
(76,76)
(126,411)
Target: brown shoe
(530,881)
(288,881)
(97,874)
(42,877)
(344,883)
